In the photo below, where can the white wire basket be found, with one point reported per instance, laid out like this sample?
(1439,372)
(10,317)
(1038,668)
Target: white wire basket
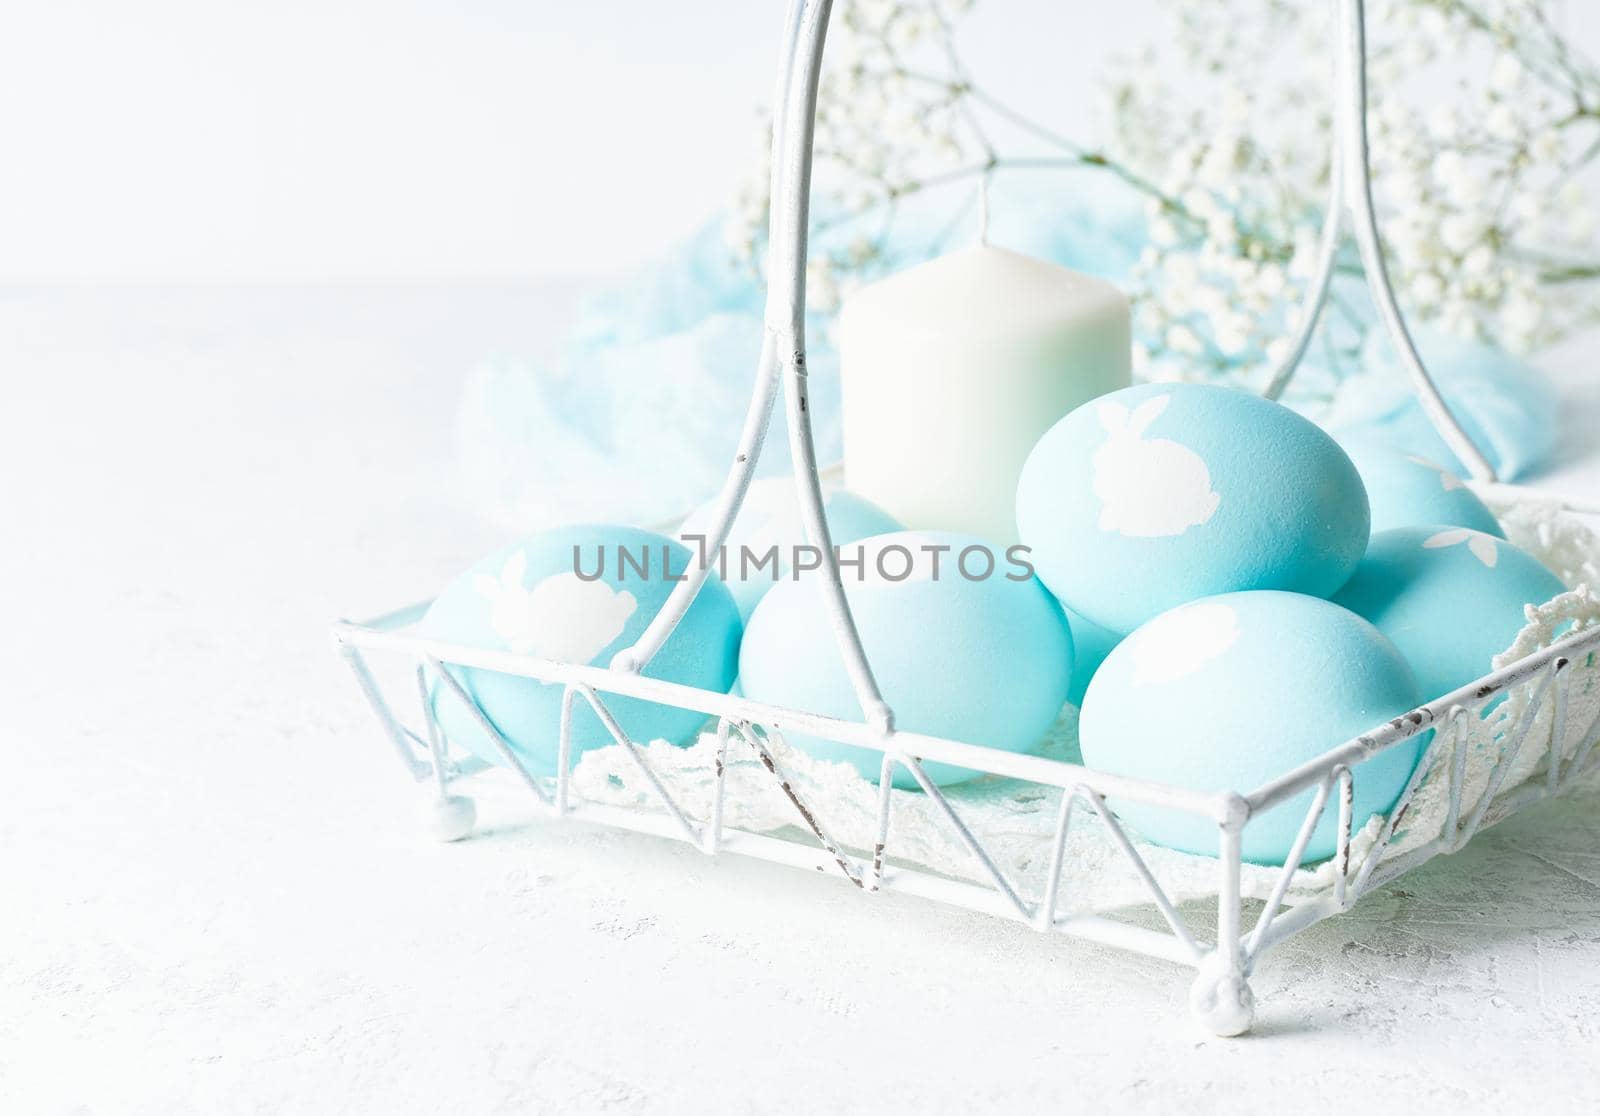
(1522,714)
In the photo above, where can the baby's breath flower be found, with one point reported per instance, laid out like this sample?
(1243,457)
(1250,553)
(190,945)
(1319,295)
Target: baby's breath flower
(1182,339)
(1484,207)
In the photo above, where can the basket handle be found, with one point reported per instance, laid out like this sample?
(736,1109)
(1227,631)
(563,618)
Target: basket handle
(783,352)
(1350,191)
(784,345)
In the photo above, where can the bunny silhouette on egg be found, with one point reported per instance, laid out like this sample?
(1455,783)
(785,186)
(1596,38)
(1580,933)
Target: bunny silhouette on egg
(1241,494)
(563,617)
(529,599)
(1148,488)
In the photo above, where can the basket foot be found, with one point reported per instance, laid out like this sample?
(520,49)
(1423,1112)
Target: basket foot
(452,817)
(1220,998)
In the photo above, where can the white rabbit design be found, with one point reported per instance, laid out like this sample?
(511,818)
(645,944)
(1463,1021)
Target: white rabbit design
(563,617)
(1482,546)
(1447,480)
(1148,488)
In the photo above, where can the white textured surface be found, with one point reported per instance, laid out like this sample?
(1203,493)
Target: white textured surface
(218,894)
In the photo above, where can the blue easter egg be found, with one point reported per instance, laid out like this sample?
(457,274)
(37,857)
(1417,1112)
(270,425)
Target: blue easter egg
(1159,494)
(1405,490)
(1450,598)
(1231,692)
(770,519)
(965,646)
(577,595)
(1090,645)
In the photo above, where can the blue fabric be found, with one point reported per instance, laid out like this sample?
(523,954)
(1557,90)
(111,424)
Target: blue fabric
(637,417)
(1508,408)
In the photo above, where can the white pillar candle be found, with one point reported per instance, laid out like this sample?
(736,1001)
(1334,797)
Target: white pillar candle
(951,371)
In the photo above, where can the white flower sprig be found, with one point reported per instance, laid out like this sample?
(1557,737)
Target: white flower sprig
(1482,194)
(1487,223)
(898,115)
(891,116)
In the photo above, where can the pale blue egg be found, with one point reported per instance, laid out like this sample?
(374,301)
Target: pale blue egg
(1405,490)
(578,595)
(981,659)
(1090,645)
(1450,598)
(1229,693)
(769,522)
(1163,493)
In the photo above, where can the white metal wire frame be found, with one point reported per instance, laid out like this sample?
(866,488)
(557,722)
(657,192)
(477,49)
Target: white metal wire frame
(1221,996)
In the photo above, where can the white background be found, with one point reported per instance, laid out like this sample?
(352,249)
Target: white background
(216,890)
(430,139)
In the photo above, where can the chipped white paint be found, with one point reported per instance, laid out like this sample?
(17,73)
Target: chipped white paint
(1148,487)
